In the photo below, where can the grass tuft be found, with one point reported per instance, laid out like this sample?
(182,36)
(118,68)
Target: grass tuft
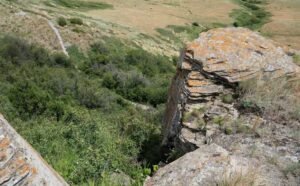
(239,179)
(296,59)
(277,99)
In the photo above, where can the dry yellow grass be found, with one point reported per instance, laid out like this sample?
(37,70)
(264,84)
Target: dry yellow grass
(131,19)
(239,179)
(146,16)
(285,25)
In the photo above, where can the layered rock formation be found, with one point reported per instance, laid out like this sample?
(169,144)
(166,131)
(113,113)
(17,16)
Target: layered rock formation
(211,67)
(201,102)
(20,164)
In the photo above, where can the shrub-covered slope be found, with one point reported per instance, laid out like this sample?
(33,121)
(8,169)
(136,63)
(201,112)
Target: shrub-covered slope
(78,111)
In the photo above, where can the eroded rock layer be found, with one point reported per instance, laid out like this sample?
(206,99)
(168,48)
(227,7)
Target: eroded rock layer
(222,145)
(212,66)
(20,164)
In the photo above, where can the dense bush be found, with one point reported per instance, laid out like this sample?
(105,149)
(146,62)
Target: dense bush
(76,21)
(84,5)
(28,99)
(131,72)
(77,116)
(61,21)
(252,15)
(192,31)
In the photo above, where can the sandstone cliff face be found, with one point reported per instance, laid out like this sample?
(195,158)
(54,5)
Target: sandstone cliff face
(20,164)
(211,68)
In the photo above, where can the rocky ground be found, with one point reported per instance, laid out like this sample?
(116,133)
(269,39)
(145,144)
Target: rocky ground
(232,142)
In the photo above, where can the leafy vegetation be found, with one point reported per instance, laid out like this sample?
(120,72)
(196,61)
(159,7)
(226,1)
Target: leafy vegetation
(252,14)
(61,21)
(75,111)
(83,5)
(293,169)
(168,35)
(191,31)
(178,33)
(296,59)
(131,72)
(76,21)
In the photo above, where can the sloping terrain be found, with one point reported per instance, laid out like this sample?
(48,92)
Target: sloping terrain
(95,114)
(134,20)
(142,22)
(285,24)
(146,16)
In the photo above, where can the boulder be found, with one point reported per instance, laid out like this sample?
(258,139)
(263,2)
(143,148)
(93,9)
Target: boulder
(213,165)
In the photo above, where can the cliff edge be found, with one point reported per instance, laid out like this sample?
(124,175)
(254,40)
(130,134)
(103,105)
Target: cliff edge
(227,139)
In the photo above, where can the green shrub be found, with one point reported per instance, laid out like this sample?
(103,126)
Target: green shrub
(293,168)
(192,31)
(28,99)
(227,98)
(77,57)
(76,21)
(296,59)
(218,120)
(15,50)
(83,5)
(61,59)
(93,97)
(61,21)
(131,72)
(79,114)
(252,15)
(110,81)
(169,35)
(195,24)
(18,51)
(78,30)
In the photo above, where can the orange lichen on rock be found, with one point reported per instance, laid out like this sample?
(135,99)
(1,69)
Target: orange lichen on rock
(197,83)
(217,61)
(20,164)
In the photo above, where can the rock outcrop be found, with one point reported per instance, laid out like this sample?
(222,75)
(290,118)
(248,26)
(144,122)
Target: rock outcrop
(211,67)
(213,165)
(20,164)
(202,101)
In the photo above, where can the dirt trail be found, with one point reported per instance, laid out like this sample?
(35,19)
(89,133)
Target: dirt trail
(61,43)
